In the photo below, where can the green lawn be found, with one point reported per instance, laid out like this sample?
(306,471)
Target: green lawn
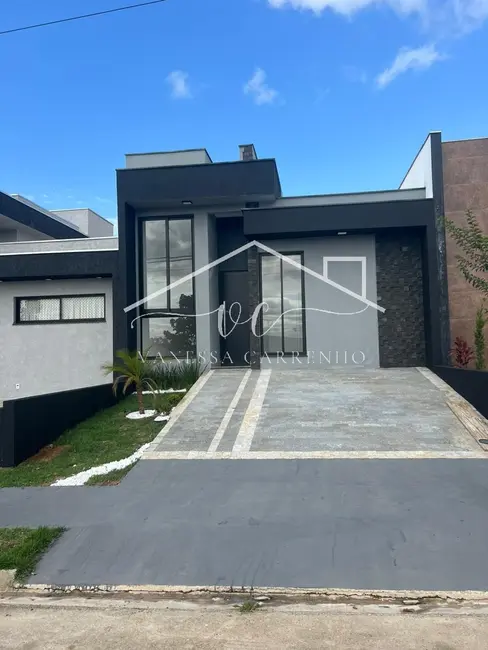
(22,548)
(105,437)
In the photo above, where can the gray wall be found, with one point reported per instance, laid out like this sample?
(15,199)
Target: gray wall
(332,333)
(50,358)
(89,222)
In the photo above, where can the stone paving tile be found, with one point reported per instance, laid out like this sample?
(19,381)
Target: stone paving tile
(198,424)
(374,410)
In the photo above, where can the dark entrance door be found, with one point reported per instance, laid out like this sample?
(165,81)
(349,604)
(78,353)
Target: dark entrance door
(235,292)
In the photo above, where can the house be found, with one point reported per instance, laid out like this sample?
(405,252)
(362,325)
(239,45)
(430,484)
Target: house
(355,279)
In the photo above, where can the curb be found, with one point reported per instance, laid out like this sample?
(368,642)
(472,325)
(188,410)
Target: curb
(471,419)
(286,592)
(7,579)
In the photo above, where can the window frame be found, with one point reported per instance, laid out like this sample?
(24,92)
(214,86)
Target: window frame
(155,312)
(60,320)
(304,328)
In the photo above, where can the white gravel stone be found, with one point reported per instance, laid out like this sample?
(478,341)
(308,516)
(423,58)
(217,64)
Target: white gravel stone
(82,477)
(135,415)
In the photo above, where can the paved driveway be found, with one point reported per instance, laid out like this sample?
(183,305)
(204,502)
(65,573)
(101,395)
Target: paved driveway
(311,414)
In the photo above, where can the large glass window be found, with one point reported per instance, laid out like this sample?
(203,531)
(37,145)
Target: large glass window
(167,257)
(282,289)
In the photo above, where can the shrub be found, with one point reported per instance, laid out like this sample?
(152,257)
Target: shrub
(461,354)
(173,374)
(163,403)
(479,337)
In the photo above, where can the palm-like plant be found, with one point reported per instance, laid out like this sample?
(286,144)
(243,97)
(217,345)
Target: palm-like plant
(131,369)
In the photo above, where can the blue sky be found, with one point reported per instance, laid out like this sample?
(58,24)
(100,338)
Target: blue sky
(341,92)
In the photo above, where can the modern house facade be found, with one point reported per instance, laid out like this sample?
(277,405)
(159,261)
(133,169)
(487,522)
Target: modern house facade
(213,262)
(178,218)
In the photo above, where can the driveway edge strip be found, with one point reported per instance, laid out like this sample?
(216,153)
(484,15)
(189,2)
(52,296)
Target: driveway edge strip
(179,410)
(255,589)
(471,419)
(246,433)
(228,414)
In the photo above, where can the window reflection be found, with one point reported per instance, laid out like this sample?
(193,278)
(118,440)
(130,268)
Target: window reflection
(282,290)
(167,256)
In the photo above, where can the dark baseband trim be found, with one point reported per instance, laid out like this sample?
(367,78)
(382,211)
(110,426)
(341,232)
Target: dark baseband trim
(27,424)
(59,266)
(323,219)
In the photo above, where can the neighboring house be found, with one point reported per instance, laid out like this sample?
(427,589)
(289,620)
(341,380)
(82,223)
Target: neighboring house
(66,306)
(55,298)
(465,166)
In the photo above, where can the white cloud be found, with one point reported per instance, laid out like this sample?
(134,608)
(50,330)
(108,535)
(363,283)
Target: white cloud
(409,59)
(453,16)
(178,82)
(259,89)
(348,7)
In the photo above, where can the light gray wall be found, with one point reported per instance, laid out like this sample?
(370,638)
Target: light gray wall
(332,333)
(359,197)
(59,246)
(167,159)
(49,358)
(420,172)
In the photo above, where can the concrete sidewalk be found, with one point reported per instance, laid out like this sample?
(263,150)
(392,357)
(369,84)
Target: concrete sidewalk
(129,625)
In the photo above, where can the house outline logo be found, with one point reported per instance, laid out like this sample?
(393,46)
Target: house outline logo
(323,278)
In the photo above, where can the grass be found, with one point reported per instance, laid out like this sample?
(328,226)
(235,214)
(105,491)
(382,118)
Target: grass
(22,548)
(248,606)
(105,437)
(112,478)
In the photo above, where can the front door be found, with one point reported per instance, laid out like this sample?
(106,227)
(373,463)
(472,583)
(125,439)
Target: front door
(235,296)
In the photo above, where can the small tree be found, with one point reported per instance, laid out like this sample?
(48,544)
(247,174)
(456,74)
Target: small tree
(473,243)
(479,337)
(131,368)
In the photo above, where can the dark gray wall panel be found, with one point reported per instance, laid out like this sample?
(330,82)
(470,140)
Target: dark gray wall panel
(400,287)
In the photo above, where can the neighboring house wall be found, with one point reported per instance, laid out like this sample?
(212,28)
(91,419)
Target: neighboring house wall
(465,166)
(332,333)
(400,286)
(89,222)
(46,358)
